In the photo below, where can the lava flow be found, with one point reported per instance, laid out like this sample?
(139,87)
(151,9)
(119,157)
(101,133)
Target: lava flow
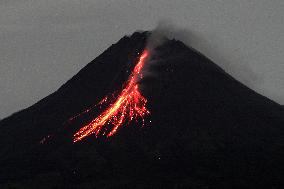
(129,105)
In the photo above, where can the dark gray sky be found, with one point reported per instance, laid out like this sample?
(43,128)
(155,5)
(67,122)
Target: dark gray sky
(43,43)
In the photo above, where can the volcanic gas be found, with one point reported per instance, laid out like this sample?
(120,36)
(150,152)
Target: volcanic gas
(128,105)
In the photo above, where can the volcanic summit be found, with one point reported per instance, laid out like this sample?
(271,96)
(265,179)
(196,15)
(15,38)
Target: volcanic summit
(202,129)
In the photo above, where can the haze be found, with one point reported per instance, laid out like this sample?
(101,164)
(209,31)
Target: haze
(43,43)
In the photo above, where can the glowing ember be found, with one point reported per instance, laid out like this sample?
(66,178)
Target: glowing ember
(45,139)
(129,105)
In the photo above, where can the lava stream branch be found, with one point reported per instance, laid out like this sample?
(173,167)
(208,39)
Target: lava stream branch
(129,105)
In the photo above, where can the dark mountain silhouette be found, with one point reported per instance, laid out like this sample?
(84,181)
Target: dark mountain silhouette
(206,129)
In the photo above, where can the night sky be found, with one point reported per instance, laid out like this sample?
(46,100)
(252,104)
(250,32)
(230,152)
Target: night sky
(43,43)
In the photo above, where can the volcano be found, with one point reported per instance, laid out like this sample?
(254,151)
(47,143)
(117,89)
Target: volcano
(205,129)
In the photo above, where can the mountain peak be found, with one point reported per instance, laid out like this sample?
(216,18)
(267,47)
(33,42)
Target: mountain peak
(205,128)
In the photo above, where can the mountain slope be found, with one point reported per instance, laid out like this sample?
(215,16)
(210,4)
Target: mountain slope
(205,129)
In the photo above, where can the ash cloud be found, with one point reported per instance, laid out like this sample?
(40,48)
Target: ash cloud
(165,29)
(159,35)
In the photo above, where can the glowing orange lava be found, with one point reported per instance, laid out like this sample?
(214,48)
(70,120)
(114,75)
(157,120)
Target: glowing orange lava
(129,105)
